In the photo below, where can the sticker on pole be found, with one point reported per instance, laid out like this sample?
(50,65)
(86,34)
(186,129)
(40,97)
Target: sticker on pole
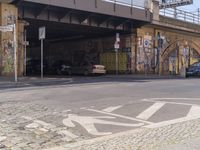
(8,28)
(42,33)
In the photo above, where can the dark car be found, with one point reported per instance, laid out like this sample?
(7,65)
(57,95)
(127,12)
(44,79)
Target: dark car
(61,67)
(193,70)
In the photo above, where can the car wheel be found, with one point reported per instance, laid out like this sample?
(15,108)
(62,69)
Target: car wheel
(86,73)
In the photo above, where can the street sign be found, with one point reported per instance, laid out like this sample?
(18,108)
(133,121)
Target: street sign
(174,3)
(42,33)
(8,28)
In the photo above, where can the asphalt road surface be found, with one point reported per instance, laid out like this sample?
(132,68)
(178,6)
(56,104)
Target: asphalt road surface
(48,115)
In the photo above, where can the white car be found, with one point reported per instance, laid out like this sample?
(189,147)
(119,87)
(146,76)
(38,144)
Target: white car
(86,69)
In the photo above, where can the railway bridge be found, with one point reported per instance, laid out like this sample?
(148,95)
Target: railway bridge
(153,39)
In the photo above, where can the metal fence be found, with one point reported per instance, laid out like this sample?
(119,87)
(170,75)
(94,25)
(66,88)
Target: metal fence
(181,15)
(141,4)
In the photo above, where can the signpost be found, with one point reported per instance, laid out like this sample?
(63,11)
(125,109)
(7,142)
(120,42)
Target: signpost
(42,36)
(116,45)
(12,28)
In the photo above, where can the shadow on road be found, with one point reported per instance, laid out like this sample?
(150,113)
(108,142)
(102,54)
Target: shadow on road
(8,83)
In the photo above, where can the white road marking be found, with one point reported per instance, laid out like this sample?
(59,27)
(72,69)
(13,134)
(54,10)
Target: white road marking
(194,111)
(112,108)
(120,116)
(88,123)
(164,98)
(176,103)
(145,115)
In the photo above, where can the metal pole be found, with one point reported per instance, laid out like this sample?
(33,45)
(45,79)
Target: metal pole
(198,15)
(42,73)
(25,46)
(15,52)
(117,62)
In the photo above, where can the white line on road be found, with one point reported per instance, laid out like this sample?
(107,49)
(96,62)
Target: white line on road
(145,115)
(120,116)
(112,108)
(176,103)
(194,111)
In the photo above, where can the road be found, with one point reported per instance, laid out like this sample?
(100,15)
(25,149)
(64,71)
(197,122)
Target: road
(47,115)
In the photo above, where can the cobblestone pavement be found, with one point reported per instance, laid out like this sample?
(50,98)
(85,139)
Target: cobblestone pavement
(19,132)
(23,126)
(163,138)
(193,144)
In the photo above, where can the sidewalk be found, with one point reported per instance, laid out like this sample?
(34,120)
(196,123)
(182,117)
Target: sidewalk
(8,82)
(143,77)
(180,136)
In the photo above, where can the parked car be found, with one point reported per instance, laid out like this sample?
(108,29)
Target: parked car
(61,68)
(193,70)
(87,68)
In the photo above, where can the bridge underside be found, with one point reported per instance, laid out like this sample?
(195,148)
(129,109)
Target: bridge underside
(50,13)
(76,33)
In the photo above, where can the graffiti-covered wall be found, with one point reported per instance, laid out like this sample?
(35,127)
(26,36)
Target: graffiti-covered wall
(165,51)
(9,16)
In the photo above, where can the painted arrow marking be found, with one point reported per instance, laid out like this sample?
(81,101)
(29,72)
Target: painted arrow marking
(88,123)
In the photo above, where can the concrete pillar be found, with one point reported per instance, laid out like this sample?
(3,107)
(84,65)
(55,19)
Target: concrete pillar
(155,10)
(134,51)
(8,16)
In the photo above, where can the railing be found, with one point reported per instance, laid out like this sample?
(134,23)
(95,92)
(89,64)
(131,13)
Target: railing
(181,15)
(141,4)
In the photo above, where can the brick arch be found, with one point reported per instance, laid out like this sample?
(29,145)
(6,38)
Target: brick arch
(171,47)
